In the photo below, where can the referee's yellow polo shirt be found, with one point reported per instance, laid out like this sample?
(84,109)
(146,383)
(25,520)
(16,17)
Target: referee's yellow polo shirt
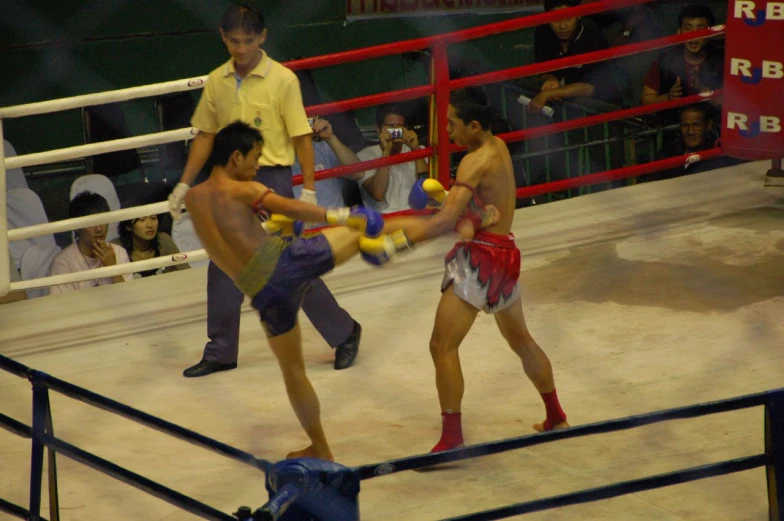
(268,98)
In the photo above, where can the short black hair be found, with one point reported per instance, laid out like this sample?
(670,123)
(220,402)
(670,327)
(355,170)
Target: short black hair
(472,104)
(389,108)
(701,108)
(234,136)
(549,5)
(87,203)
(245,17)
(696,11)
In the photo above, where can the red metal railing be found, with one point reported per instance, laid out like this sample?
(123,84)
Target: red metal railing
(441,86)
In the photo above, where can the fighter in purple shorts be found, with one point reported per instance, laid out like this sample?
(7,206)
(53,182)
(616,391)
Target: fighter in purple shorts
(482,270)
(274,271)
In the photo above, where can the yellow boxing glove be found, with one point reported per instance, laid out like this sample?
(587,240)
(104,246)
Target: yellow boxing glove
(427,193)
(379,250)
(283,226)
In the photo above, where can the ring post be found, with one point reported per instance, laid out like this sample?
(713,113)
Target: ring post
(309,489)
(40,399)
(774,448)
(5,268)
(54,497)
(775,176)
(441,69)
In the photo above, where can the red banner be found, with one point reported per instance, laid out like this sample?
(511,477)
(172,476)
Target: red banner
(363,9)
(753,107)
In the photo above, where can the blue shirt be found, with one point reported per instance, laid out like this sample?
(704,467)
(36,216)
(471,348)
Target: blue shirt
(329,192)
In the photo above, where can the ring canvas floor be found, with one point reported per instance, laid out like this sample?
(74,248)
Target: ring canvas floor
(645,298)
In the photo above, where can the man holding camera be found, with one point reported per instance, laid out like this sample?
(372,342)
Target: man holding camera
(386,189)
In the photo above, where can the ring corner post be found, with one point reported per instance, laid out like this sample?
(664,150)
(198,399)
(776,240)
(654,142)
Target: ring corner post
(774,448)
(40,408)
(442,90)
(307,489)
(54,497)
(5,268)
(775,176)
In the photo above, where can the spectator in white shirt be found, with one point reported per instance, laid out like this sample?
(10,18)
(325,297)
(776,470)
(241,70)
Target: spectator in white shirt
(386,189)
(90,249)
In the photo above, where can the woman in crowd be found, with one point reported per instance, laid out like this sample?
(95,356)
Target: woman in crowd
(142,240)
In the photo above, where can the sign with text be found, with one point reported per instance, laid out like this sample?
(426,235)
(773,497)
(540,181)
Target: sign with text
(364,9)
(753,113)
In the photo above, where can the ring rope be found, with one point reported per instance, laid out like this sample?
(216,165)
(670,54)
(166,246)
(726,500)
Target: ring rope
(535,69)
(187,133)
(354,55)
(473,33)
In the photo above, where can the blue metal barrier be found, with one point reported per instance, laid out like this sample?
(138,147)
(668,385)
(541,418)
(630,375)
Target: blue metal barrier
(314,490)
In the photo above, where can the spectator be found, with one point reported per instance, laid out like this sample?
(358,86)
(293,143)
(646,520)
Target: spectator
(696,134)
(386,189)
(692,68)
(568,38)
(635,23)
(90,249)
(330,152)
(142,240)
(15,277)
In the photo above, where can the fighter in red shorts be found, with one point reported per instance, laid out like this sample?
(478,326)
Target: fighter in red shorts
(482,271)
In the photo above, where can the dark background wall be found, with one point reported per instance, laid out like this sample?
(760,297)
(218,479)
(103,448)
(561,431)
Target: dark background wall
(53,49)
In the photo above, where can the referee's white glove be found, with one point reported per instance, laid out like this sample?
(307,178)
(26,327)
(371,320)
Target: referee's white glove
(308,196)
(175,200)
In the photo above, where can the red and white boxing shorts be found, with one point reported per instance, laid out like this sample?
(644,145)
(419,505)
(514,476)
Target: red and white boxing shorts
(484,271)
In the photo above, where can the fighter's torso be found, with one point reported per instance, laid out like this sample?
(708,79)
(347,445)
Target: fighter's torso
(228,229)
(497,184)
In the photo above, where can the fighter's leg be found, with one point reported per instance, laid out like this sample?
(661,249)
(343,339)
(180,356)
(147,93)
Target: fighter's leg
(288,350)
(454,319)
(511,323)
(343,241)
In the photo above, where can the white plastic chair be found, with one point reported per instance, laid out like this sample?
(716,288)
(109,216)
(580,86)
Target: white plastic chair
(36,262)
(25,208)
(14,178)
(101,185)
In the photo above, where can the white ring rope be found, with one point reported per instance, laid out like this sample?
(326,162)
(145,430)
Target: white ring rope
(77,223)
(99,98)
(111,271)
(92,149)
(81,151)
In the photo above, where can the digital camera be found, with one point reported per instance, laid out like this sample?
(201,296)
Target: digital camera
(395,133)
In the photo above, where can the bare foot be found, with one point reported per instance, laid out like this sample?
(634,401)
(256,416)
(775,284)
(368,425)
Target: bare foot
(539,427)
(311,452)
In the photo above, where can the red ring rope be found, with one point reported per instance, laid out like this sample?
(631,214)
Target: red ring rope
(525,22)
(444,84)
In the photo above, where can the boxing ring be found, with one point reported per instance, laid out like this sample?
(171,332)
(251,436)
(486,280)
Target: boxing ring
(649,297)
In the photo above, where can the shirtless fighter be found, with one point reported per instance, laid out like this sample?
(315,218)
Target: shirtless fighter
(272,270)
(482,272)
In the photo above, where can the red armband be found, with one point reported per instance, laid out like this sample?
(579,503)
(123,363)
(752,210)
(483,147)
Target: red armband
(258,206)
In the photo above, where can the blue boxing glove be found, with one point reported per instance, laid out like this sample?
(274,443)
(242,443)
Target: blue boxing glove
(378,251)
(365,220)
(426,193)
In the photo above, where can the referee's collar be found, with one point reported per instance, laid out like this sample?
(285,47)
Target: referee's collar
(261,69)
